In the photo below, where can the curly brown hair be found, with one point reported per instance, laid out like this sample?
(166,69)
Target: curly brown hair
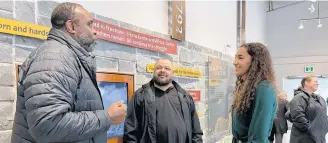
(260,69)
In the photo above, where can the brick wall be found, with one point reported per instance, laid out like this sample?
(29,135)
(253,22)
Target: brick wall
(111,57)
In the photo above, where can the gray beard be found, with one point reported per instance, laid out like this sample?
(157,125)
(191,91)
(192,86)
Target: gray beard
(89,48)
(85,42)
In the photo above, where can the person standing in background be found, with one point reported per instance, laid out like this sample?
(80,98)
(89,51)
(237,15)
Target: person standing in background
(280,126)
(296,91)
(308,113)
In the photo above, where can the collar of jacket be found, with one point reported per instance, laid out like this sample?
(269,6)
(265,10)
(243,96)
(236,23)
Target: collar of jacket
(175,84)
(297,91)
(86,59)
(65,39)
(306,93)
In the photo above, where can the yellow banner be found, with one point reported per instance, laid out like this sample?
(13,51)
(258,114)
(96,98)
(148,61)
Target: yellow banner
(179,71)
(213,82)
(23,29)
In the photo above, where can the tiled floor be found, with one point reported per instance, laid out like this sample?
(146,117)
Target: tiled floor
(286,137)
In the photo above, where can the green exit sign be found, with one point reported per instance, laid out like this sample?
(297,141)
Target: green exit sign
(308,69)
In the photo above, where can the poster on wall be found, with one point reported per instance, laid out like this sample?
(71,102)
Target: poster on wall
(218,75)
(214,66)
(104,30)
(195,95)
(218,69)
(218,98)
(112,92)
(123,36)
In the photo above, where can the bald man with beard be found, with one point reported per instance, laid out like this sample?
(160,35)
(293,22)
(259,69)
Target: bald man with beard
(161,111)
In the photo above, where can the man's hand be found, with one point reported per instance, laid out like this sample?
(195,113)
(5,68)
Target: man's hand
(117,112)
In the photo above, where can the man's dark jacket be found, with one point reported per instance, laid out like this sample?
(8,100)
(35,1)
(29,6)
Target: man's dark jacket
(58,99)
(280,121)
(140,123)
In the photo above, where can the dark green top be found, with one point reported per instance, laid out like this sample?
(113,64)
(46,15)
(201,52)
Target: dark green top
(254,126)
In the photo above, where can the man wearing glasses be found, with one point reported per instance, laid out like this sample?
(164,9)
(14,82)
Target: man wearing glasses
(161,111)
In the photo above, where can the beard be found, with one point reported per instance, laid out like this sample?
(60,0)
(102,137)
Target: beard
(86,42)
(161,82)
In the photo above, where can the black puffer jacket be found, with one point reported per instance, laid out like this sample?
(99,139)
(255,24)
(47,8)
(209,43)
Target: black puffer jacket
(287,114)
(309,117)
(58,99)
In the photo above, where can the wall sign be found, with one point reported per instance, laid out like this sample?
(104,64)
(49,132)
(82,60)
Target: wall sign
(214,71)
(309,69)
(23,29)
(104,31)
(123,36)
(195,94)
(178,20)
(218,70)
(179,71)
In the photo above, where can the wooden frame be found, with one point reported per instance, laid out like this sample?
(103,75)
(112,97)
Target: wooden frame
(122,78)
(117,77)
(17,69)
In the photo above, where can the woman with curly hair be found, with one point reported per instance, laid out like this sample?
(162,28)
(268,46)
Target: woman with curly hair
(254,99)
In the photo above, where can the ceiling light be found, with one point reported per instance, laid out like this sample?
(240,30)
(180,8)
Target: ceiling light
(319,24)
(300,25)
(311,9)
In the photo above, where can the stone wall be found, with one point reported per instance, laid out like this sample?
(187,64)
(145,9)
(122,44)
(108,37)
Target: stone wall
(111,57)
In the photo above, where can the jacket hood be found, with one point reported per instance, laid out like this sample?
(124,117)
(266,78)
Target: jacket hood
(65,39)
(297,91)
